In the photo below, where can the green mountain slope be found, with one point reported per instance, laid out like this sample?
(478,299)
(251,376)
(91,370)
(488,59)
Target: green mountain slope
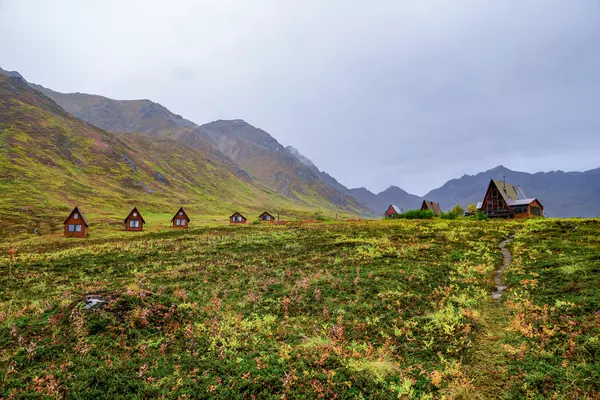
(252,149)
(51,161)
(264,158)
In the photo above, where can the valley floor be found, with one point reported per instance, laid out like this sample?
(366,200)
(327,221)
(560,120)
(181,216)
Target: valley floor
(374,309)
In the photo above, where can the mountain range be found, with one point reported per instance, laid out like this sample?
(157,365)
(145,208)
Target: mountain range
(69,148)
(563,194)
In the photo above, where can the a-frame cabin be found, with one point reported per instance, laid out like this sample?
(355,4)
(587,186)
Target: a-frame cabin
(181,219)
(503,200)
(134,221)
(431,206)
(76,225)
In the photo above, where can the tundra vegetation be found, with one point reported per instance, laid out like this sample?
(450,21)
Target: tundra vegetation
(373,309)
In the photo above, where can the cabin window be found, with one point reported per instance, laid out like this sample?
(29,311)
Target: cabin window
(180,212)
(268,218)
(134,224)
(75,216)
(77,228)
(535,210)
(178,222)
(135,214)
(71,228)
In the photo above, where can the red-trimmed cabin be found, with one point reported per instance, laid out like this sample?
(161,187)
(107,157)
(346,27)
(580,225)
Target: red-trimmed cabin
(76,225)
(392,211)
(266,217)
(503,200)
(431,206)
(181,219)
(237,218)
(134,221)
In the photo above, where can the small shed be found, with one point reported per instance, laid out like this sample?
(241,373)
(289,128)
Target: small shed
(266,217)
(237,218)
(431,206)
(392,210)
(76,225)
(181,219)
(134,221)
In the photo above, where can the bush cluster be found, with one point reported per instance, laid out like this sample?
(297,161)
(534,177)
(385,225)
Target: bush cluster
(416,214)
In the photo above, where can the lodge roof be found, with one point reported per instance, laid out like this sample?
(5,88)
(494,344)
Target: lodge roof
(521,202)
(265,213)
(237,213)
(76,209)
(509,191)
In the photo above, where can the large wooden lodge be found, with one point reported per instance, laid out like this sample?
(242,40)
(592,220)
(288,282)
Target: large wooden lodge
(503,200)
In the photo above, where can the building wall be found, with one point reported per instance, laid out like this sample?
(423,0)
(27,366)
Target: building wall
(493,200)
(231,221)
(530,213)
(132,218)
(185,222)
(390,211)
(73,221)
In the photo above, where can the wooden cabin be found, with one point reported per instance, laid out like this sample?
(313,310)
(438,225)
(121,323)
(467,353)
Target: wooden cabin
(266,217)
(76,225)
(237,218)
(503,200)
(431,206)
(181,219)
(392,211)
(134,221)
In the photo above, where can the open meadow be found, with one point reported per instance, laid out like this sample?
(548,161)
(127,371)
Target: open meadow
(371,309)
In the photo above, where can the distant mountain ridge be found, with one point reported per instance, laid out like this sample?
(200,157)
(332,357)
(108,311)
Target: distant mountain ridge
(563,194)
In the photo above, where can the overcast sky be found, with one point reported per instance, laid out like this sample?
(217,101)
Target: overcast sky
(377,92)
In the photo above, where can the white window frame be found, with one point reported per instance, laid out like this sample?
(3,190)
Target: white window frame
(71,228)
(135,214)
(134,223)
(75,216)
(77,228)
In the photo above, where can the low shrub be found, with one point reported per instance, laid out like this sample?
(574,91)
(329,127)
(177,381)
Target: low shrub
(417,214)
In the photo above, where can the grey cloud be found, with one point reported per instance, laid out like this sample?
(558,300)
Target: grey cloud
(374,92)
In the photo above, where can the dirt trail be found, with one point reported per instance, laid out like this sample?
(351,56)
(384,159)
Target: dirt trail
(498,278)
(487,364)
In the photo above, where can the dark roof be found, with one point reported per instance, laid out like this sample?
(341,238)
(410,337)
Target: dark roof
(430,205)
(184,213)
(237,213)
(265,213)
(76,209)
(509,191)
(132,211)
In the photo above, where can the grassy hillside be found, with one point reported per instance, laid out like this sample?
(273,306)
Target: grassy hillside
(254,150)
(381,309)
(51,161)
